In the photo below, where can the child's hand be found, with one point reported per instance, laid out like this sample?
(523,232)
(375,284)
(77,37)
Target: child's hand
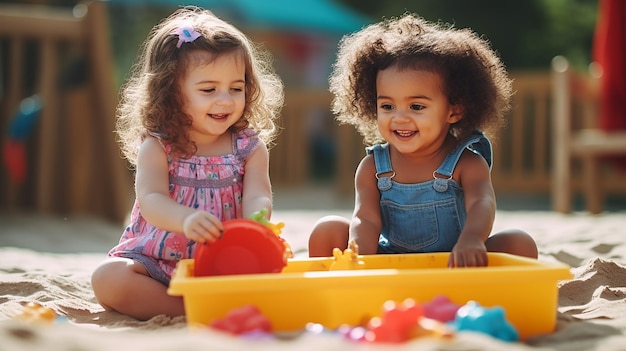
(468,254)
(201,226)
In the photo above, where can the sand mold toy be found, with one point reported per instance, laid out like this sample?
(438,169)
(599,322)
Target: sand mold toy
(247,246)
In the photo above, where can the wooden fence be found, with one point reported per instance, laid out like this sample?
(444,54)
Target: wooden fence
(522,148)
(74,165)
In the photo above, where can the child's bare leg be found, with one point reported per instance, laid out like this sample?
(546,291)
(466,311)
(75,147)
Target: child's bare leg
(328,233)
(123,285)
(513,241)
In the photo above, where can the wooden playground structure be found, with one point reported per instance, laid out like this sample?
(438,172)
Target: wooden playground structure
(549,145)
(75,166)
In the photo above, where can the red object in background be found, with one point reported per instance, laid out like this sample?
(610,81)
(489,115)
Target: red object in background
(14,155)
(609,50)
(246,247)
(298,49)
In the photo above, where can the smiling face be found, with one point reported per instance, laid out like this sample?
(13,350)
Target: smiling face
(214,94)
(413,114)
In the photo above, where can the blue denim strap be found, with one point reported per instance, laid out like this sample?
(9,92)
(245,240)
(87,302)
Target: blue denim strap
(383,165)
(477,143)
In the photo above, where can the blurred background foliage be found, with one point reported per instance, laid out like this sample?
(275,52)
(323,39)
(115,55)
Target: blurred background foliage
(527,34)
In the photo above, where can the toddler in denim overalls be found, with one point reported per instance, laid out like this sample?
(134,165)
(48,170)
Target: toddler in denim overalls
(415,90)
(428,216)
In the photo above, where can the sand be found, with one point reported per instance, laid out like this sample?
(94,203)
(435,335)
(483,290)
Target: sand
(49,260)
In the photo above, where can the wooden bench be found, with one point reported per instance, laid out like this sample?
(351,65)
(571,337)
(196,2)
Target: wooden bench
(575,135)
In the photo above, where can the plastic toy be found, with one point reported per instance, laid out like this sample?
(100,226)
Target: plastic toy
(398,323)
(20,128)
(259,216)
(348,259)
(440,309)
(490,321)
(353,333)
(316,329)
(395,323)
(306,290)
(34,312)
(433,328)
(246,247)
(243,320)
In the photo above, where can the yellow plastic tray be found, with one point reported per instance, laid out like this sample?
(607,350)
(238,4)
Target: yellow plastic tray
(309,291)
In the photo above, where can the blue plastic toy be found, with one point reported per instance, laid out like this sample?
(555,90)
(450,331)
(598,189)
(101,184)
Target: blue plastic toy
(491,321)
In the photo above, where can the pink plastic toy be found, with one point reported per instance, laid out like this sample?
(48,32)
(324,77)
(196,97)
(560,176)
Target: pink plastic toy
(441,309)
(398,323)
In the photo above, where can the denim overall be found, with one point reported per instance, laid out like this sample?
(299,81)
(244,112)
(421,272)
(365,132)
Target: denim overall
(428,216)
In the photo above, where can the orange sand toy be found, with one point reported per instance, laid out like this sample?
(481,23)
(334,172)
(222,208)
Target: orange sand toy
(34,312)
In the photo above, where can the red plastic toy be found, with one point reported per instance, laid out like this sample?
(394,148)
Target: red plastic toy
(396,322)
(246,319)
(246,247)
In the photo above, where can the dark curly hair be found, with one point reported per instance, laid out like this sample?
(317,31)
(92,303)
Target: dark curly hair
(151,101)
(473,75)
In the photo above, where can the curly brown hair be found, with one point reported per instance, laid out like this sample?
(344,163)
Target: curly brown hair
(473,75)
(151,101)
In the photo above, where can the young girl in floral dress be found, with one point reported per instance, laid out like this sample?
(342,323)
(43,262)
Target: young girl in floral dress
(195,119)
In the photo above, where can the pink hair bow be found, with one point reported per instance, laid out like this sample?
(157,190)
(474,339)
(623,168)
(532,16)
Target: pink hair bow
(186,34)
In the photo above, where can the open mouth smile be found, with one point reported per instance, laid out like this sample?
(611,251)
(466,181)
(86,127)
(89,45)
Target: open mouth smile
(219,115)
(405,133)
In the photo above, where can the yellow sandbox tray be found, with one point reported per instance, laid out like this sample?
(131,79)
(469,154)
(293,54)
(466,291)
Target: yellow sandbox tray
(307,291)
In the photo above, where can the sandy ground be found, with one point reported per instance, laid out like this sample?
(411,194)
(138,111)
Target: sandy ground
(49,260)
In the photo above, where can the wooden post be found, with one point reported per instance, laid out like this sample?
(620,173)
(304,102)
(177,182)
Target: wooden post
(100,61)
(15,88)
(561,171)
(48,128)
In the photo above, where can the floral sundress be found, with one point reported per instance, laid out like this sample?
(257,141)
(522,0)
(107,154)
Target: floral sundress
(210,183)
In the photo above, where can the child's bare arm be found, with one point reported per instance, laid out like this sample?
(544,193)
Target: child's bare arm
(152,187)
(257,188)
(480,204)
(366,221)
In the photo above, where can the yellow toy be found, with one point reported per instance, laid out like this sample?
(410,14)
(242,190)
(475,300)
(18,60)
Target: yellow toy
(34,312)
(322,290)
(276,228)
(260,217)
(348,259)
